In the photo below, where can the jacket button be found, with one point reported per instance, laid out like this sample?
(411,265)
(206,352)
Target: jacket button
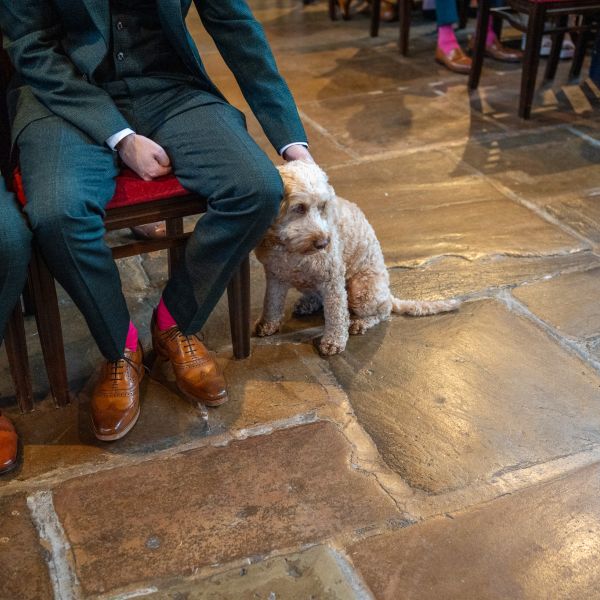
(84,77)
(120,26)
(120,56)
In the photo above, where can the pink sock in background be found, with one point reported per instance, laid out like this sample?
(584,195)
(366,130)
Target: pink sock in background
(131,343)
(490,37)
(446,39)
(164,320)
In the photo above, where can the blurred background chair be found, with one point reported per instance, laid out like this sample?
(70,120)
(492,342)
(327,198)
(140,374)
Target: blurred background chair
(537,18)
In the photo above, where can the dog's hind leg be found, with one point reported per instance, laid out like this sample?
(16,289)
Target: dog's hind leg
(308,304)
(368,300)
(273,307)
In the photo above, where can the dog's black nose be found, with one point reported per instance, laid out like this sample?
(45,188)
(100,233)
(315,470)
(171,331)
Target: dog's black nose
(321,243)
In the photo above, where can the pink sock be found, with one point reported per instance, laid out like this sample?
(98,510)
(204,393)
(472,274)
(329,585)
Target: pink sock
(131,343)
(446,39)
(164,320)
(490,38)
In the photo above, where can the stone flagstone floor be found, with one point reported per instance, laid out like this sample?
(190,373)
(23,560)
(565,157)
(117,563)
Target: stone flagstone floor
(451,457)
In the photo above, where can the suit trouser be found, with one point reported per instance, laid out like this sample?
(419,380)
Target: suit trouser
(69,180)
(15,252)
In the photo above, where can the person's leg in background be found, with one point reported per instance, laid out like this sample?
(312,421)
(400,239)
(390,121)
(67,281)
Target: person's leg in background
(15,252)
(68,180)
(448,51)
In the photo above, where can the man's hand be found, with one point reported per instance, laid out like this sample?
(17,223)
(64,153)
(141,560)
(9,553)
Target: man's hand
(298,152)
(144,157)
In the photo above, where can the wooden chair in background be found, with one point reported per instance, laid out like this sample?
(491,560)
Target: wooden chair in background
(543,17)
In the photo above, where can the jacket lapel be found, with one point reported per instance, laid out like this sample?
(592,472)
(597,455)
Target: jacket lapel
(100,14)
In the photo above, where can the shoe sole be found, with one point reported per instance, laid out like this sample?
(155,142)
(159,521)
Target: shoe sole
(117,436)
(453,69)
(209,403)
(161,358)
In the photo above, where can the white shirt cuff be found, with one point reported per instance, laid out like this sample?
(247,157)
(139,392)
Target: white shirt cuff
(292,144)
(113,140)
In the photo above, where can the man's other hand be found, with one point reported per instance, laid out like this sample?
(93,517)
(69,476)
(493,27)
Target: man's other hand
(144,157)
(297,152)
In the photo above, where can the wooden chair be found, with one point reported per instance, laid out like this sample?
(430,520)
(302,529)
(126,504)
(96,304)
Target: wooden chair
(544,17)
(135,203)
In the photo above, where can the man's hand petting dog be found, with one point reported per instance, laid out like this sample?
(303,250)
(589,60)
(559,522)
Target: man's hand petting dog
(144,157)
(298,152)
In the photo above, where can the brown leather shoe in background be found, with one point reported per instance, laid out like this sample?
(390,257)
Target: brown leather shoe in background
(116,397)
(9,445)
(456,60)
(196,371)
(499,52)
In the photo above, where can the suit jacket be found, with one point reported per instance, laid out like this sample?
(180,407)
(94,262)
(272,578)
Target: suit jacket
(56,45)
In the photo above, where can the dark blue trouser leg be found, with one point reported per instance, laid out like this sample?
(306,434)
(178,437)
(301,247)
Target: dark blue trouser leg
(15,251)
(68,181)
(214,156)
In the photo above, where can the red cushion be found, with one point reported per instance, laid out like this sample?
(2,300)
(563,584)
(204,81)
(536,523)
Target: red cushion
(130,189)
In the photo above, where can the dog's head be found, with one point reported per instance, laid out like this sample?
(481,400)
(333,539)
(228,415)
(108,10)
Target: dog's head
(304,222)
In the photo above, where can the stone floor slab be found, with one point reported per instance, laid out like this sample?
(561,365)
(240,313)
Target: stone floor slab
(537,165)
(452,276)
(214,505)
(537,544)
(396,120)
(314,574)
(23,570)
(411,236)
(277,383)
(453,400)
(569,303)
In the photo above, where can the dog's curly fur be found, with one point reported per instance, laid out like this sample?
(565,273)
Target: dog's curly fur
(323,246)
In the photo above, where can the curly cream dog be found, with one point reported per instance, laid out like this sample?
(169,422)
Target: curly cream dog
(323,246)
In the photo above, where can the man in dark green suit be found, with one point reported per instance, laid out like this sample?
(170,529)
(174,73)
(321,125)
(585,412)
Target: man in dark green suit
(98,79)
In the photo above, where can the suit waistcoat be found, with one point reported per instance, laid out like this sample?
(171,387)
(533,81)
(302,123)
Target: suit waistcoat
(138,45)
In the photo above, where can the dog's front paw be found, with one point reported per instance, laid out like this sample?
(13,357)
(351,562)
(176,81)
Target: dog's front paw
(265,328)
(329,347)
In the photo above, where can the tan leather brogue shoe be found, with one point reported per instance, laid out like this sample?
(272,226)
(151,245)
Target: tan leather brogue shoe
(456,60)
(9,445)
(116,397)
(196,371)
(499,52)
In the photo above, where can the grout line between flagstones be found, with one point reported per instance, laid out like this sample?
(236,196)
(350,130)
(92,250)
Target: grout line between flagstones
(58,558)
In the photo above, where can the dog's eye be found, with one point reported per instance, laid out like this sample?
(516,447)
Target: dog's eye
(300,209)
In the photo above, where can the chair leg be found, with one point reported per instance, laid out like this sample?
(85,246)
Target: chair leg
(405,8)
(238,295)
(28,304)
(531,59)
(375,17)
(49,327)
(18,361)
(174,228)
(483,17)
(557,42)
(333,10)
(583,39)
(463,13)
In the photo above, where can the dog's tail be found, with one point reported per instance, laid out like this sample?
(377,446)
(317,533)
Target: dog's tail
(418,308)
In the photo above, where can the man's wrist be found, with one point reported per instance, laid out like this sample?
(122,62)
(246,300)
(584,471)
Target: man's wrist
(297,152)
(114,140)
(283,150)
